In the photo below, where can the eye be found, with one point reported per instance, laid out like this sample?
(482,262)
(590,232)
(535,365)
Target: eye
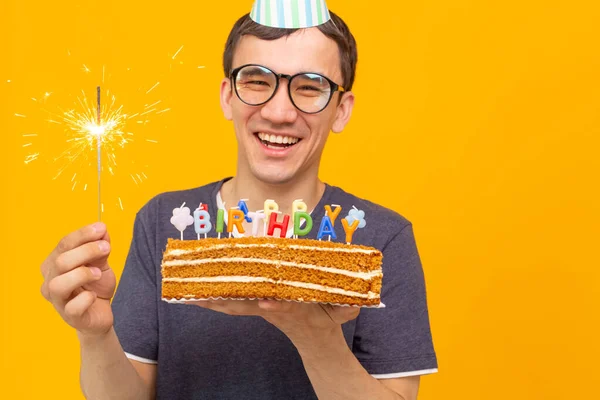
(258,82)
(309,88)
(254,84)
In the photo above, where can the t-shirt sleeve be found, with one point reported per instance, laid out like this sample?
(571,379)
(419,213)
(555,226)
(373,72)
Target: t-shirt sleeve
(135,302)
(396,341)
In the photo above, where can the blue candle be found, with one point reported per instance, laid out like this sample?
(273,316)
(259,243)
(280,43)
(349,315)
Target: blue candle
(326,228)
(202,222)
(242,206)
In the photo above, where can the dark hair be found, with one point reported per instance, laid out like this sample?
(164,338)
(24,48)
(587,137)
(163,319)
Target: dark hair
(335,29)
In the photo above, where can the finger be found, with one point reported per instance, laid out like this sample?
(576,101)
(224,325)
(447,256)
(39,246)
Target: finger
(273,305)
(106,236)
(75,239)
(61,287)
(90,254)
(200,303)
(76,307)
(342,314)
(44,290)
(231,307)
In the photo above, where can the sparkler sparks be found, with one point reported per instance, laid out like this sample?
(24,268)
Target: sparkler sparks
(95,133)
(31,157)
(90,126)
(153,87)
(177,52)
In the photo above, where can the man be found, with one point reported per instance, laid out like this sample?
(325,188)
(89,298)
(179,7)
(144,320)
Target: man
(143,348)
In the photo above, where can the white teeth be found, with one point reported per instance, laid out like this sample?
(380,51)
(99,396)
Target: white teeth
(279,139)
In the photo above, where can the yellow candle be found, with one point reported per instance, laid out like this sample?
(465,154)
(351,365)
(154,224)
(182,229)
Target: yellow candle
(349,229)
(298,205)
(333,214)
(270,206)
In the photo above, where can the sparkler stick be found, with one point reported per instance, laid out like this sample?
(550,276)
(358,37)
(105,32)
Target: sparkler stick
(99,139)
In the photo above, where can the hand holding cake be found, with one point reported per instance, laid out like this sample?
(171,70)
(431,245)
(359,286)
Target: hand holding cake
(298,321)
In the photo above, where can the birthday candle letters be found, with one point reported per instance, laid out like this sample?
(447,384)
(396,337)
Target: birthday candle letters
(274,222)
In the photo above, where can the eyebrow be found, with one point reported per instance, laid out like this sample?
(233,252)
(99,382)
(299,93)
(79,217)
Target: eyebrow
(257,71)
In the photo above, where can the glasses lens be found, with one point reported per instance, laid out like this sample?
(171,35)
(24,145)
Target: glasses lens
(255,84)
(310,92)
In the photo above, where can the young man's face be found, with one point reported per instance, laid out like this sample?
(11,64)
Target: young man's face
(304,51)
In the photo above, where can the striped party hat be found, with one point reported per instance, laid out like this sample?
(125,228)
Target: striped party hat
(290,13)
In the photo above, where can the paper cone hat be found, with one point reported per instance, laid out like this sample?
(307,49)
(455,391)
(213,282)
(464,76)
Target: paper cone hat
(290,13)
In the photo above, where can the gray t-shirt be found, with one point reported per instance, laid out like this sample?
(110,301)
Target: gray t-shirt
(203,354)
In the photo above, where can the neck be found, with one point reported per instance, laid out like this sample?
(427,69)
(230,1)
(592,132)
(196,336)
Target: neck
(256,191)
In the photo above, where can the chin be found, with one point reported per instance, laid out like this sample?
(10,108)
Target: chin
(273,175)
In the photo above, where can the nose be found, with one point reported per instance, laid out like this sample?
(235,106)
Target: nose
(280,109)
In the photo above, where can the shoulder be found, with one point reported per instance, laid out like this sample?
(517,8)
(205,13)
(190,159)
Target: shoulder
(382,223)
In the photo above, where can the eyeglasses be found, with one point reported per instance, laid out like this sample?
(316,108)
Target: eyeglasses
(309,92)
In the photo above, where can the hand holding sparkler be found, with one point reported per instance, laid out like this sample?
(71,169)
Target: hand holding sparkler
(79,282)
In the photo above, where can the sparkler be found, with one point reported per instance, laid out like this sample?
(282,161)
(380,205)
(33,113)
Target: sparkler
(101,127)
(99,147)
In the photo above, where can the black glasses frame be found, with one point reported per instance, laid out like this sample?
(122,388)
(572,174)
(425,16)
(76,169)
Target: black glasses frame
(334,86)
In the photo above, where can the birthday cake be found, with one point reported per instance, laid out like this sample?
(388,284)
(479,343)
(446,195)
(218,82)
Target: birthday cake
(270,267)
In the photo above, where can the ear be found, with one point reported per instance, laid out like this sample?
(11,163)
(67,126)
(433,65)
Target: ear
(226,96)
(343,112)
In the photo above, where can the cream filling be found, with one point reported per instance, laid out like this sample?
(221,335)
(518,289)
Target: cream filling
(178,252)
(253,279)
(352,274)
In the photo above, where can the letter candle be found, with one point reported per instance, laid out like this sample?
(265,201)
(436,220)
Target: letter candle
(256,218)
(242,206)
(298,216)
(299,206)
(269,207)
(353,221)
(349,229)
(235,218)
(220,223)
(332,215)
(202,223)
(326,228)
(282,226)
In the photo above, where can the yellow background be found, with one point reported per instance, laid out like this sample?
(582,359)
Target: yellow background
(477,120)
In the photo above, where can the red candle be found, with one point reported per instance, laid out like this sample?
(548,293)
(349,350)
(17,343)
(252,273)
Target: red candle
(282,226)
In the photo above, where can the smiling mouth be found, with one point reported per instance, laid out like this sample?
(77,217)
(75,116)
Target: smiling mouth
(276,141)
